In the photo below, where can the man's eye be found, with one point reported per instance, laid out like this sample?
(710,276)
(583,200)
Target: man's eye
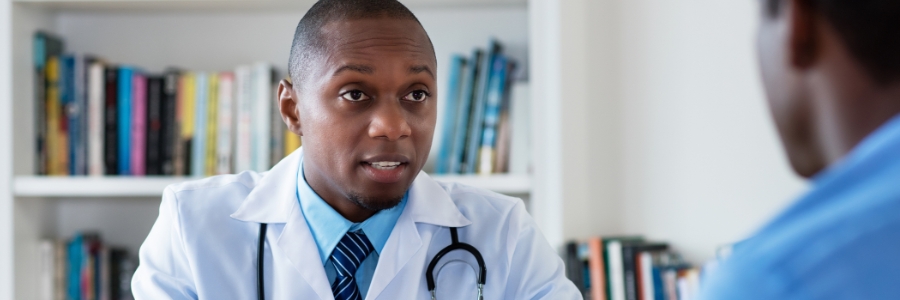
(355,95)
(417,96)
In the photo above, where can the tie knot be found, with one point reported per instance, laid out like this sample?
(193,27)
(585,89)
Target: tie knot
(350,253)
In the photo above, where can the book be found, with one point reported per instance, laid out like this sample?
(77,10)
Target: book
(185,120)
(79,111)
(476,122)
(504,126)
(493,101)
(243,115)
(630,269)
(138,145)
(596,268)
(262,77)
(170,126)
(111,121)
(56,144)
(75,257)
(125,89)
(70,123)
(291,142)
(212,108)
(45,46)
(451,110)
(615,269)
(224,142)
(198,144)
(153,150)
(277,129)
(458,155)
(96,103)
(520,137)
(47,276)
(575,266)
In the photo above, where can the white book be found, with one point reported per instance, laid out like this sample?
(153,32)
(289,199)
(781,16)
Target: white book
(224,123)
(520,119)
(616,270)
(198,148)
(96,96)
(647,275)
(47,277)
(262,104)
(243,115)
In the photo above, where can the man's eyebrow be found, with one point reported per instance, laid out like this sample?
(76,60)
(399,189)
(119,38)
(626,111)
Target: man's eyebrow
(355,68)
(421,68)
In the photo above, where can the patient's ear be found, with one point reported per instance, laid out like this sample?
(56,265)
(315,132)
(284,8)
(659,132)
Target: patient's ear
(287,104)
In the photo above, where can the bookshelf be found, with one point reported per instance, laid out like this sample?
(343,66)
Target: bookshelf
(189,34)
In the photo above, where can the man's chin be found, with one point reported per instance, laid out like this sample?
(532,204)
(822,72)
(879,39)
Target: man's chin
(376,203)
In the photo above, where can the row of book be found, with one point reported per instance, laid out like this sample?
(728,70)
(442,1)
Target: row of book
(84,268)
(629,268)
(477,129)
(98,118)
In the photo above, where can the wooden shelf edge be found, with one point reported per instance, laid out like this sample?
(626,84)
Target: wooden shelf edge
(116,186)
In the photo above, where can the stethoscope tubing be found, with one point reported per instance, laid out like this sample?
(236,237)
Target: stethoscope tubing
(429,276)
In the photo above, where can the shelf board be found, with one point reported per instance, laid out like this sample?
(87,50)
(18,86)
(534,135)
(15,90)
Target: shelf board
(116,186)
(226,5)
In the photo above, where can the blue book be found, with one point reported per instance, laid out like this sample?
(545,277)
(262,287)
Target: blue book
(477,112)
(74,253)
(495,92)
(457,155)
(70,108)
(451,110)
(198,149)
(124,89)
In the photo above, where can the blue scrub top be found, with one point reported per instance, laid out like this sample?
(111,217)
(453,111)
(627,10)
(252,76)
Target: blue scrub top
(839,241)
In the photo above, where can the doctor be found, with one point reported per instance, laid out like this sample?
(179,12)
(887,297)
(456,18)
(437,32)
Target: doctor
(351,215)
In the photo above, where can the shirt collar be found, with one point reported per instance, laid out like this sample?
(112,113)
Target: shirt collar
(328,227)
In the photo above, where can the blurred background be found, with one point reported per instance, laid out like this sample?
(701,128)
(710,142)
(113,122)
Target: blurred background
(642,119)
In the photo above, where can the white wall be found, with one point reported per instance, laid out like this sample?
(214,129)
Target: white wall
(702,164)
(6,170)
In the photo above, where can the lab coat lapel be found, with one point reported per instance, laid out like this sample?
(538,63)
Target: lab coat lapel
(428,203)
(274,201)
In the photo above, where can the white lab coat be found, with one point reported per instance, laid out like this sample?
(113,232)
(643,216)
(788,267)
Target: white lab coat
(204,244)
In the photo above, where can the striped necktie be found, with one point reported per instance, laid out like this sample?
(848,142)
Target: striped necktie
(347,256)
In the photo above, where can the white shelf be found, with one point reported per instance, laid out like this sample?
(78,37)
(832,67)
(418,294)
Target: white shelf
(78,187)
(229,5)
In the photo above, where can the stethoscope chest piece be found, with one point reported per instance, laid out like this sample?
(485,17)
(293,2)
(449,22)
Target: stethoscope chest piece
(456,245)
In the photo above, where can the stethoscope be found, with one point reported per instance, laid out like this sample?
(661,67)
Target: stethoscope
(429,273)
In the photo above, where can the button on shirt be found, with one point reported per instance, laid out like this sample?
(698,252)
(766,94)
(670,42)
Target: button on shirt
(839,241)
(328,227)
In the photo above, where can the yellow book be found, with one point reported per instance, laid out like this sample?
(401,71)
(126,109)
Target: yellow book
(56,143)
(211,121)
(291,142)
(187,106)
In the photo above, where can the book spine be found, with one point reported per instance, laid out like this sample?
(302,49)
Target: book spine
(596,269)
(492,115)
(170,124)
(628,271)
(152,151)
(520,120)
(473,145)
(225,124)
(451,108)
(80,151)
(198,151)
(616,271)
(47,272)
(69,121)
(95,118)
(55,141)
(40,101)
(243,138)
(504,130)
(291,142)
(138,145)
(262,102)
(645,276)
(458,157)
(75,255)
(125,90)
(211,122)
(111,121)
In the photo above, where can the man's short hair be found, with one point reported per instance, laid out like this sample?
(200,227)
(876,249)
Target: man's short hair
(309,44)
(870,29)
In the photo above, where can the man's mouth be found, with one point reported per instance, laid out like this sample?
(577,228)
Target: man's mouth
(385,165)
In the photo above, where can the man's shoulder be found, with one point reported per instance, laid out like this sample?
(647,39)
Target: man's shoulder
(485,202)
(220,190)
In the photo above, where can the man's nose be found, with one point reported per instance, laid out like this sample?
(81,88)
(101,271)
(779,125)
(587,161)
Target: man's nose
(389,122)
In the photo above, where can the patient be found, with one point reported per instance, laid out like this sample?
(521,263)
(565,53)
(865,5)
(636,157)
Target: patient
(831,69)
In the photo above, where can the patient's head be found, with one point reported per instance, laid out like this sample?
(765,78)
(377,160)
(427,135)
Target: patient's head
(831,69)
(363,74)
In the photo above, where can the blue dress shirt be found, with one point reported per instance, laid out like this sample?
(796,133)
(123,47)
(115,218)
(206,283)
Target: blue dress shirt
(839,241)
(328,227)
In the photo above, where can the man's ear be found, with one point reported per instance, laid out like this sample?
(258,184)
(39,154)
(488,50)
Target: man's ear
(802,33)
(287,104)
